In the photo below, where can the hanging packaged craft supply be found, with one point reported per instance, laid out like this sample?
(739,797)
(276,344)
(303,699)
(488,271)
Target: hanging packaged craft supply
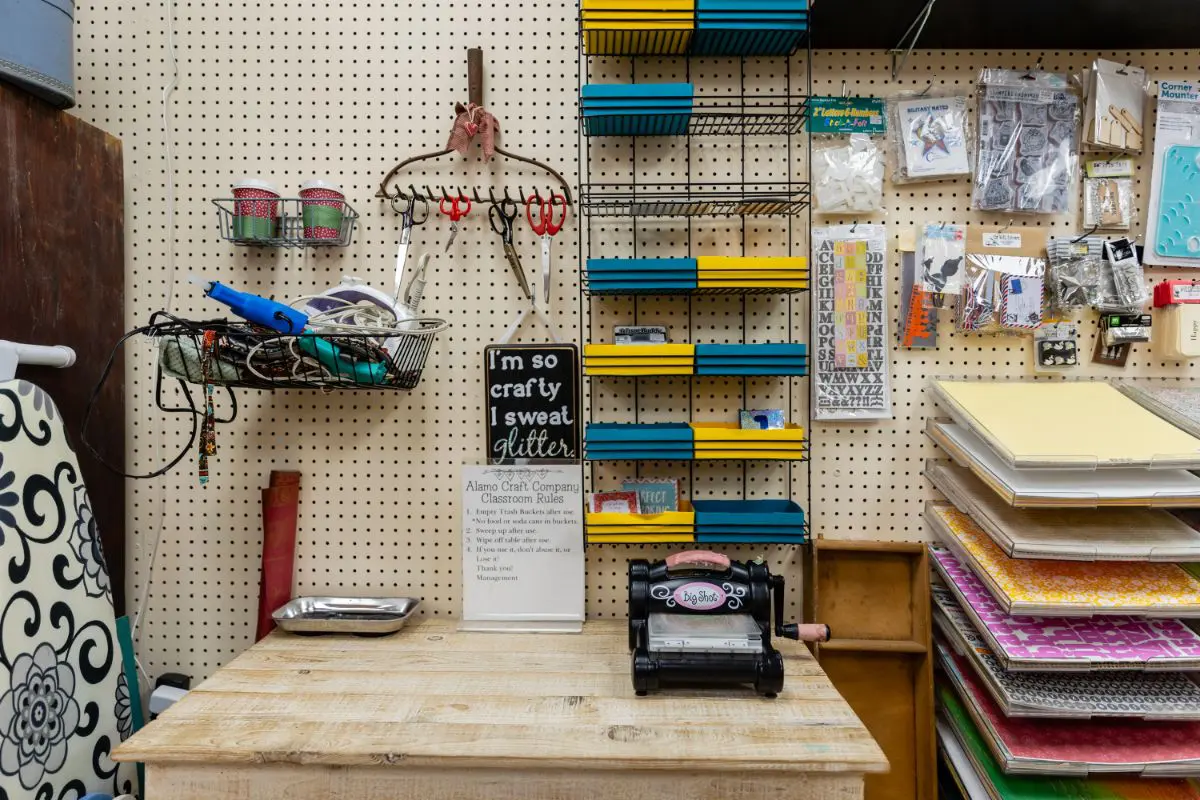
(1075,269)
(918,315)
(1178,334)
(1005,281)
(1173,216)
(850,379)
(940,255)
(1116,105)
(1056,347)
(1028,139)
(847,162)
(1108,193)
(930,137)
(1127,290)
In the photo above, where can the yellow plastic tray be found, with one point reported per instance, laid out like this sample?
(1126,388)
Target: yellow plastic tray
(608,38)
(685,517)
(732,432)
(621,20)
(632,371)
(651,538)
(794,454)
(753,274)
(751,262)
(742,283)
(639,362)
(641,6)
(637,350)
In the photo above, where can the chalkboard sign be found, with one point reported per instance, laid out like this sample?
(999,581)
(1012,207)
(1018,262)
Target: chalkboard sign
(532,402)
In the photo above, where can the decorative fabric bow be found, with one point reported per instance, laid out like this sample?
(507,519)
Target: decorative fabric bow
(472,120)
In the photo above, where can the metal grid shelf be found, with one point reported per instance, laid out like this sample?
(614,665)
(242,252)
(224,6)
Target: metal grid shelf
(693,200)
(747,115)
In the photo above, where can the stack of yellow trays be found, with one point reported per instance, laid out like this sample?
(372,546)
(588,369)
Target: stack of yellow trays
(615,528)
(639,359)
(752,273)
(728,440)
(637,27)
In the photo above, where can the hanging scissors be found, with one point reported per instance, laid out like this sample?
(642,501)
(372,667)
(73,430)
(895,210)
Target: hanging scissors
(458,208)
(501,215)
(545,226)
(409,217)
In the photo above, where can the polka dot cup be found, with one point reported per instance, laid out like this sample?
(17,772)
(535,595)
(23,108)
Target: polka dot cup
(322,204)
(255,210)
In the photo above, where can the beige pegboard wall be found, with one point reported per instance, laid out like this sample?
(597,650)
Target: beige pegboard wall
(293,90)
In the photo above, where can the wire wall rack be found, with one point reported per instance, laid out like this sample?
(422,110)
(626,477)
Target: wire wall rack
(286,222)
(628,210)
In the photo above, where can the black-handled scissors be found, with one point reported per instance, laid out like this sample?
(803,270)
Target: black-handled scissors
(501,217)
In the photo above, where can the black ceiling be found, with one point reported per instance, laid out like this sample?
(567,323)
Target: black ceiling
(1011,24)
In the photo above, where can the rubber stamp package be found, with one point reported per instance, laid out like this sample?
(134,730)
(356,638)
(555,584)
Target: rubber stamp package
(929,137)
(1028,140)
(849,323)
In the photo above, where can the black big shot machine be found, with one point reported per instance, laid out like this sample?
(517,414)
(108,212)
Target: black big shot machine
(700,619)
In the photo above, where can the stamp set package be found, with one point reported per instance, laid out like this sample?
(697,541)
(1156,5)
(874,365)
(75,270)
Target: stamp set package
(1028,142)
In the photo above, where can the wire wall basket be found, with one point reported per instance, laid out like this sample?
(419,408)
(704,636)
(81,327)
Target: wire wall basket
(240,355)
(286,221)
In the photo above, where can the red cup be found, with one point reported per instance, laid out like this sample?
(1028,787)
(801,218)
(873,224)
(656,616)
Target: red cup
(322,205)
(255,210)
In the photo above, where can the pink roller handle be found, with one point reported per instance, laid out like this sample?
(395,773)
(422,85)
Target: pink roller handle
(697,558)
(814,632)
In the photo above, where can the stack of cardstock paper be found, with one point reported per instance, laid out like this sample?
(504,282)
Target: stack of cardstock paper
(752,273)
(979,774)
(730,440)
(1065,588)
(1062,643)
(1065,424)
(1073,534)
(617,441)
(1079,747)
(1091,488)
(1178,405)
(639,359)
(776,358)
(635,27)
(1067,695)
(635,109)
(640,275)
(749,27)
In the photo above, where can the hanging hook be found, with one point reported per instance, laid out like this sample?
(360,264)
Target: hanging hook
(445,195)
(1086,235)
(925,91)
(507,199)
(415,193)
(521,193)
(1028,76)
(492,195)
(1007,226)
(845,91)
(537,195)
(475,193)
(854,227)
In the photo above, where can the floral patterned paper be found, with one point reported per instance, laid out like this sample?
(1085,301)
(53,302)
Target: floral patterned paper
(64,704)
(1128,586)
(1065,642)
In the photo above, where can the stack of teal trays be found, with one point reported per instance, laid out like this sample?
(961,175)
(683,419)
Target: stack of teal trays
(749,27)
(749,521)
(636,109)
(660,441)
(640,275)
(752,359)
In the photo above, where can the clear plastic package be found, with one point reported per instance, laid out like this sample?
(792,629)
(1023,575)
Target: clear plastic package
(1028,140)
(1002,293)
(1124,282)
(929,136)
(1108,193)
(1056,347)
(940,253)
(1075,274)
(1116,105)
(847,175)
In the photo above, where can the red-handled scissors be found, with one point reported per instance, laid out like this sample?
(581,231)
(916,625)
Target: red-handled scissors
(544,225)
(458,208)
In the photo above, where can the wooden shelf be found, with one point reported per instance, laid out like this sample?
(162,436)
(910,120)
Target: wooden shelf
(874,646)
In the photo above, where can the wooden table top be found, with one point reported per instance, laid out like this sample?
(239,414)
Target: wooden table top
(432,696)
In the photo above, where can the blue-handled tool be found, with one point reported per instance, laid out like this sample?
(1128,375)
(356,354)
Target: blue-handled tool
(252,308)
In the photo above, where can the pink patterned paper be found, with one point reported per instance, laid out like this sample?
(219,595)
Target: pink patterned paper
(1122,642)
(1084,742)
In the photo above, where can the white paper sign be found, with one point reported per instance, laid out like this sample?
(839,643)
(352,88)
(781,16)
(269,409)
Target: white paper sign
(522,555)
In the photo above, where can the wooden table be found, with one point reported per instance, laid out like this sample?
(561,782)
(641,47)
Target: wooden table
(434,714)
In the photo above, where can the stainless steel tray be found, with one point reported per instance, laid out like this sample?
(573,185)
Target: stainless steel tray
(365,616)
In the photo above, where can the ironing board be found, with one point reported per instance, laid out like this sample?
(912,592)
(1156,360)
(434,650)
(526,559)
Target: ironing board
(64,702)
